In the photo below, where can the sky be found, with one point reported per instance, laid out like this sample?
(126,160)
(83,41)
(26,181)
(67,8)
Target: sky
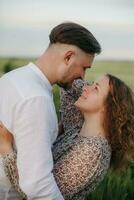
(25,25)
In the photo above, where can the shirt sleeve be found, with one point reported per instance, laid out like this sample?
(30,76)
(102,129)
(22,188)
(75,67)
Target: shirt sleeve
(77,168)
(70,115)
(34,155)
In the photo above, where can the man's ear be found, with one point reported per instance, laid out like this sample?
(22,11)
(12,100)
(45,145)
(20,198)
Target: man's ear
(67,57)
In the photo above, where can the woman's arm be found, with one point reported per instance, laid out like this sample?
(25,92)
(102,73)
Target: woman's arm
(6,139)
(9,157)
(10,167)
(77,168)
(61,128)
(70,115)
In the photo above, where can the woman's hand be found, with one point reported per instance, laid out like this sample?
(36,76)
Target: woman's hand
(6,140)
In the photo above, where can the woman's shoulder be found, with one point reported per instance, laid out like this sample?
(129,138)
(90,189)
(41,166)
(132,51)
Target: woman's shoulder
(97,146)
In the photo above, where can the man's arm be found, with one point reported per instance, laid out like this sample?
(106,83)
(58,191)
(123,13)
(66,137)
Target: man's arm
(34,156)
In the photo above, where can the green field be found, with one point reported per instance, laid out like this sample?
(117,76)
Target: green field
(114,186)
(122,69)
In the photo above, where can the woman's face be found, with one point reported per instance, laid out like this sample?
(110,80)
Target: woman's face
(93,96)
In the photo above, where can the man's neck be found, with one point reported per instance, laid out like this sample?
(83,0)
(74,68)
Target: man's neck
(45,66)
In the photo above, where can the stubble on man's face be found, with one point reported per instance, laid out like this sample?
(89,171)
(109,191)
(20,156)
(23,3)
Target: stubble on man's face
(76,71)
(68,79)
(68,84)
(65,85)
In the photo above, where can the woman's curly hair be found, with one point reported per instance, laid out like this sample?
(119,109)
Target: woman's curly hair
(119,122)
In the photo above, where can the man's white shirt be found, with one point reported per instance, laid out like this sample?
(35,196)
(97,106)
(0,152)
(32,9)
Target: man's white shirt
(27,110)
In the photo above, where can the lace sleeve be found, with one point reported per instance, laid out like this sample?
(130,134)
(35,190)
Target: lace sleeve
(76,89)
(70,115)
(78,167)
(10,167)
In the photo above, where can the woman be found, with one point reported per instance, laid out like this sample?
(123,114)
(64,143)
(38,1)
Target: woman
(98,134)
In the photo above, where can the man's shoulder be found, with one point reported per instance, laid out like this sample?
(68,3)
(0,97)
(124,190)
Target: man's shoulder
(15,75)
(18,72)
(23,81)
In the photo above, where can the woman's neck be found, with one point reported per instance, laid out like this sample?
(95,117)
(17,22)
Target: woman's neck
(92,125)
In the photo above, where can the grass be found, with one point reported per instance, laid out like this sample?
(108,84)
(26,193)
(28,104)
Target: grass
(114,186)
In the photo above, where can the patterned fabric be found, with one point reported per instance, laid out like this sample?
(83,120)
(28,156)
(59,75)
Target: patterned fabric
(10,167)
(80,163)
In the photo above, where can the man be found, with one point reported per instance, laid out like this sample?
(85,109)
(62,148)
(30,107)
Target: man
(27,108)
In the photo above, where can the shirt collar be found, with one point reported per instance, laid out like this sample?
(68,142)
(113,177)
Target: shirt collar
(41,75)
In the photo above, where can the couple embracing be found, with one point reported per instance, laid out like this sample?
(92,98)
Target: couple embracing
(40,160)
